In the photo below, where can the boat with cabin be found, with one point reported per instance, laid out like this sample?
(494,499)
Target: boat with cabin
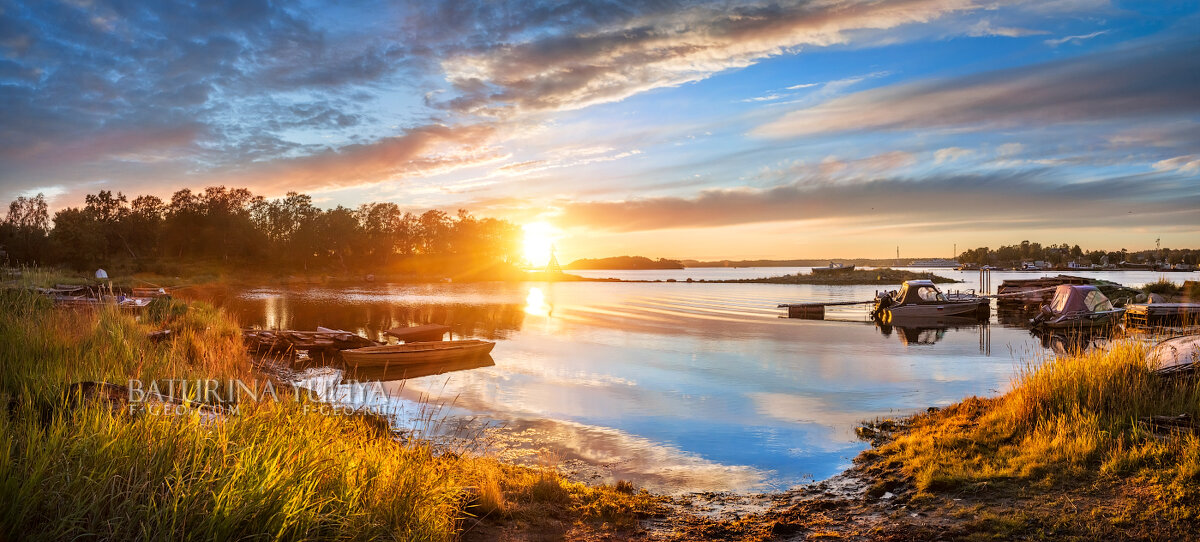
(923,299)
(834,267)
(1077,306)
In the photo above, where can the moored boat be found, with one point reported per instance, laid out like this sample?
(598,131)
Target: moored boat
(834,267)
(923,299)
(1077,305)
(421,352)
(412,334)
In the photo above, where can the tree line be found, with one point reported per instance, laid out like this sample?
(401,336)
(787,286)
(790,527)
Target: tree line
(234,227)
(1063,253)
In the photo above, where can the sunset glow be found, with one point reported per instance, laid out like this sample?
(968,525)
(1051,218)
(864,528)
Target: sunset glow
(538,243)
(700,130)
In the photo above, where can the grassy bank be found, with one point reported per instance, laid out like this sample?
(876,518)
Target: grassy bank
(82,469)
(1061,456)
(858,276)
(1068,427)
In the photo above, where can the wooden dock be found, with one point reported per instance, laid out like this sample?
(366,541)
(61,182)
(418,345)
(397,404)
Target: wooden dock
(815,311)
(1162,314)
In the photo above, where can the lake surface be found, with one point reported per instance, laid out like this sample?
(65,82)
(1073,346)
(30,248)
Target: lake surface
(677,387)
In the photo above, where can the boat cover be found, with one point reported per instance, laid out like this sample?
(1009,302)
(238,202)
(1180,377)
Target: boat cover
(916,292)
(1070,298)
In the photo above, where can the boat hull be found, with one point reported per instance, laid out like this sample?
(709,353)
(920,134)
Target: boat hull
(1102,319)
(924,311)
(415,353)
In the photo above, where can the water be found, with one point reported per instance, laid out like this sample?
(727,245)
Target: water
(675,386)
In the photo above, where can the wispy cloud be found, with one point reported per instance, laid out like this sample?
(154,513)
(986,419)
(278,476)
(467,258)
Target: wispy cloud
(1074,39)
(950,154)
(563,72)
(1027,198)
(1142,82)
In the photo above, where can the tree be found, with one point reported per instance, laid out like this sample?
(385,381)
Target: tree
(23,233)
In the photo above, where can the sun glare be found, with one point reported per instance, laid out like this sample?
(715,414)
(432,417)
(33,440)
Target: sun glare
(539,238)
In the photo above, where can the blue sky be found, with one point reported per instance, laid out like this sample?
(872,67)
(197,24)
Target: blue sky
(835,128)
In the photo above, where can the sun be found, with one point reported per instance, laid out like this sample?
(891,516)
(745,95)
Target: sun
(539,240)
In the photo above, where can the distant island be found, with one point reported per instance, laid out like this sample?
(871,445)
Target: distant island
(857,276)
(623,262)
(809,262)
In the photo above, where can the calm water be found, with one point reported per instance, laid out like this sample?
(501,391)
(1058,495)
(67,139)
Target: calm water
(676,386)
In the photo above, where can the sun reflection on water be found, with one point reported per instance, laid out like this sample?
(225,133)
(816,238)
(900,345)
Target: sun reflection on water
(535,303)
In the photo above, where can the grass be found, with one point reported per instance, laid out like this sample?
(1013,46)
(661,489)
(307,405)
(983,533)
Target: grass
(1162,287)
(275,470)
(1070,422)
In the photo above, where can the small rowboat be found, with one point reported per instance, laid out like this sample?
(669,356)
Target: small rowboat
(424,352)
(412,334)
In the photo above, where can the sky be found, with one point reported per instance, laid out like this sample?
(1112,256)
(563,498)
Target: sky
(707,130)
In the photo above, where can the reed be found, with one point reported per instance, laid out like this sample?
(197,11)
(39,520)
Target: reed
(275,470)
(1066,420)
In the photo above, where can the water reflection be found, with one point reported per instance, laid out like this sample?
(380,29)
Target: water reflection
(372,312)
(675,386)
(928,331)
(1071,341)
(535,303)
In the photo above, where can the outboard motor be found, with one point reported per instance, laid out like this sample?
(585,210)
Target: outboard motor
(883,300)
(1044,315)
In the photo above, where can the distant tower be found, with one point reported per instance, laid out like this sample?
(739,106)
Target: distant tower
(552,268)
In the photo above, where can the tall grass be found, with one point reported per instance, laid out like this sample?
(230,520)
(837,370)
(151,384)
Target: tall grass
(275,470)
(1070,419)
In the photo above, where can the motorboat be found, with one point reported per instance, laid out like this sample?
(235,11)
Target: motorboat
(834,267)
(923,299)
(1077,305)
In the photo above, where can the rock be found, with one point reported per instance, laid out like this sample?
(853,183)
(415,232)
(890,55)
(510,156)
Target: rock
(1155,298)
(1140,298)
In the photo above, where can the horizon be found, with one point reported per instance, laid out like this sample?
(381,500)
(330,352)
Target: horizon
(707,132)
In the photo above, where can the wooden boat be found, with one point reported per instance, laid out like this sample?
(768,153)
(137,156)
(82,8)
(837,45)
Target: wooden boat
(412,334)
(1175,355)
(833,268)
(923,299)
(265,340)
(422,352)
(121,302)
(150,292)
(1077,306)
(403,371)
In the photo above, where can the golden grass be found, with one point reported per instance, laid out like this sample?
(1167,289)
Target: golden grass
(276,470)
(1069,420)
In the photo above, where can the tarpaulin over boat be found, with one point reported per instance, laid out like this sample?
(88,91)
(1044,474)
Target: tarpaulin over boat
(1070,298)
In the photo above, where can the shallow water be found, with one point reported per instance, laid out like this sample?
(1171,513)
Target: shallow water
(675,386)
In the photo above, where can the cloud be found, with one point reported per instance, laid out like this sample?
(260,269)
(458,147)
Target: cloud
(422,151)
(571,71)
(1008,198)
(984,28)
(1189,164)
(1074,39)
(950,154)
(1145,82)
